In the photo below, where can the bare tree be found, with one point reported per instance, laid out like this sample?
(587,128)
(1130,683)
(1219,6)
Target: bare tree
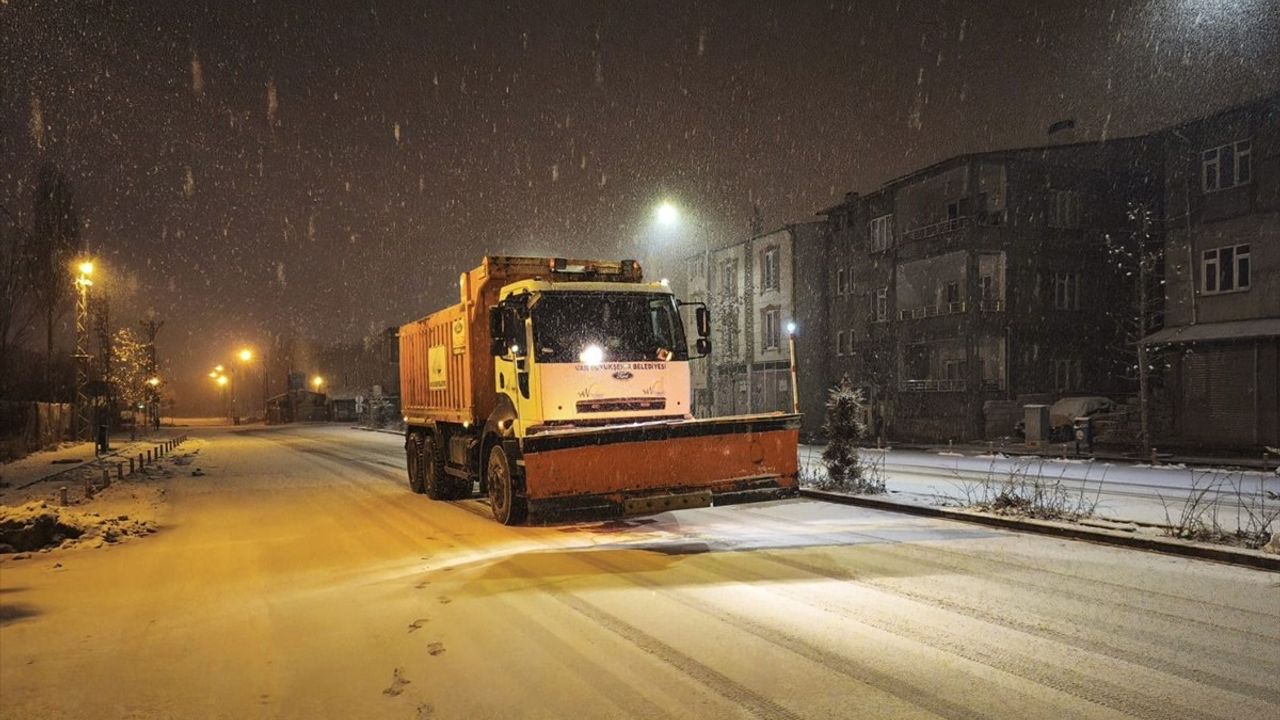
(16,311)
(55,243)
(1138,257)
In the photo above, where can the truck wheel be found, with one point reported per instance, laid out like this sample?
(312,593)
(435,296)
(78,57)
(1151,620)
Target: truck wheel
(413,462)
(508,507)
(437,484)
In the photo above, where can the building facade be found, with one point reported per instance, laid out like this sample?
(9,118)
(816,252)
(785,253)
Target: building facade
(757,291)
(963,290)
(1221,336)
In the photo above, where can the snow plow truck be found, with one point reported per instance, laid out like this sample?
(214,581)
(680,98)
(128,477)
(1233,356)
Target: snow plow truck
(561,387)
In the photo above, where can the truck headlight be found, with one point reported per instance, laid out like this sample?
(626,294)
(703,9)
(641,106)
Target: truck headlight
(591,355)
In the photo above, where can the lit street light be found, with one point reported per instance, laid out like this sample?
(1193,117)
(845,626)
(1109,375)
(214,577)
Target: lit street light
(246,355)
(667,214)
(795,385)
(317,381)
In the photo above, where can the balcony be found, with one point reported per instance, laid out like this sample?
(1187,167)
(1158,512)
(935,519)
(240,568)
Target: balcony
(936,229)
(956,385)
(952,308)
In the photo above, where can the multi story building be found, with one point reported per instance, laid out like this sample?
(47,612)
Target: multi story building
(756,290)
(962,290)
(1221,333)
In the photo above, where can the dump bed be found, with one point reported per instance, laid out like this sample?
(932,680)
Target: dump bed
(446,372)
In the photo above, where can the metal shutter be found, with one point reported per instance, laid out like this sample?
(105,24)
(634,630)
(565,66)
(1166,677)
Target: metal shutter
(1217,394)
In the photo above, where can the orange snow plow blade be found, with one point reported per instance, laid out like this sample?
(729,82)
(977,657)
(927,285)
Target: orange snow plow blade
(654,467)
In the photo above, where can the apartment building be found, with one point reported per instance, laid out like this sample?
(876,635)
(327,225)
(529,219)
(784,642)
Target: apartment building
(966,288)
(757,291)
(1221,335)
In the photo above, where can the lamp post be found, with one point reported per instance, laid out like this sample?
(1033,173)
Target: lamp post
(795,385)
(83,413)
(246,356)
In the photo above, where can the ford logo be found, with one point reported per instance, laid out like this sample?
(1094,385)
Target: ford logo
(622,375)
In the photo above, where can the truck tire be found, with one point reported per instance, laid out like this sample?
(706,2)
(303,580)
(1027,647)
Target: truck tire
(438,485)
(509,508)
(413,462)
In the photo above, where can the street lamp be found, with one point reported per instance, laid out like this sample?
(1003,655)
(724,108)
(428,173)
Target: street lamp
(246,355)
(666,214)
(83,416)
(317,381)
(795,386)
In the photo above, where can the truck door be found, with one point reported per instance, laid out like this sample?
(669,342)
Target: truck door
(513,370)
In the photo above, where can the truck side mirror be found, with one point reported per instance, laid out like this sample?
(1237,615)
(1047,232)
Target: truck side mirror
(702,319)
(703,346)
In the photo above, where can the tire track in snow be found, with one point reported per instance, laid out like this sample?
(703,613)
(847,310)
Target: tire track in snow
(1266,693)
(930,553)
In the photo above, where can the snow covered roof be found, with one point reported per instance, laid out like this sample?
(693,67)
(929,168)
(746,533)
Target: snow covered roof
(1208,332)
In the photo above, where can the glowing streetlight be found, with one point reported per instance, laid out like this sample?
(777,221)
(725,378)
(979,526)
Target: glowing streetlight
(317,381)
(666,214)
(795,384)
(86,267)
(222,380)
(246,355)
(217,369)
(153,382)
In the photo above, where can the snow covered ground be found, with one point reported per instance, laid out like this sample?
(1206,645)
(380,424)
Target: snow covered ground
(1122,491)
(299,578)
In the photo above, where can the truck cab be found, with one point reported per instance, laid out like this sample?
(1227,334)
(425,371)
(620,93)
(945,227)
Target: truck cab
(578,354)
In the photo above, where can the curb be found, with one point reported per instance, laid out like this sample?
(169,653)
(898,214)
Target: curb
(398,433)
(1247,558)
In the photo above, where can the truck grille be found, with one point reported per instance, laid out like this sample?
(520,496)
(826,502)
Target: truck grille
(621,405)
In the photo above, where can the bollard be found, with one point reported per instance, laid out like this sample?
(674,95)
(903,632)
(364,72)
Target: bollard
(130,466)
(119,471)
(106,478)
(62,495)
(1153,456)
(148,456)
(88,489)
(139,461)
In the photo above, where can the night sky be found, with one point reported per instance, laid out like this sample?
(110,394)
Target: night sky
(327,168)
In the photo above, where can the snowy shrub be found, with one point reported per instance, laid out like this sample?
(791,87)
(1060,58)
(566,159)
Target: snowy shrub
(844,427)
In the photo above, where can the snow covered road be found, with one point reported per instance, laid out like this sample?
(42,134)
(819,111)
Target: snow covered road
(299,578)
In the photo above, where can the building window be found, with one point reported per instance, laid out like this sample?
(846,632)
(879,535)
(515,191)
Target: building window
(841,280)
(953,210)
(879,304)
(771,326)
(1066,291)
(729,278)
(697,268)
(952,297)
(1226,166)
(769,269)
(953,369)
(1064,209)
(881,233)
(1066,375)
(1225,269)
(840,343)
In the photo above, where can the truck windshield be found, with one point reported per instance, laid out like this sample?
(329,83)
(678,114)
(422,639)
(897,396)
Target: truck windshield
(607,327)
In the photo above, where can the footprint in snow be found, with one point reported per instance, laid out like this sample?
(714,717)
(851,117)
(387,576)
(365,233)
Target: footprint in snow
(435,648)
(397,684)
(444,599)
(417,624)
